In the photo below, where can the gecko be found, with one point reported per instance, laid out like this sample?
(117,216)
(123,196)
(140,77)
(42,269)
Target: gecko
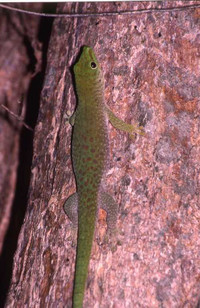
(90,151)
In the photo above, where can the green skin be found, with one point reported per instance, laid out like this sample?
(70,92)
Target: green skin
(89,156)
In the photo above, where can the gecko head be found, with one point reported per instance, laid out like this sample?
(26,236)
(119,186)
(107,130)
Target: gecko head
(87,64)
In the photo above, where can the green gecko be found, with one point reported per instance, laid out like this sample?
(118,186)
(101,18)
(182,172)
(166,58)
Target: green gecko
(89,157)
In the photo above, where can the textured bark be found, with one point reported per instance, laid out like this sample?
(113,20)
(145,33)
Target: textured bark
(151,67)
(15,76)
(18,48)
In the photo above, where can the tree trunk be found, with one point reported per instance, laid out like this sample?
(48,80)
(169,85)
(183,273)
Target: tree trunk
(19,53)
(151,68)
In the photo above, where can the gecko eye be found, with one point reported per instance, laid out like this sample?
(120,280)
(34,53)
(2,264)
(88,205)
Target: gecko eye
(93,65)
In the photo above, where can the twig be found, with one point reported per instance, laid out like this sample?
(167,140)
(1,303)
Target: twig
(69,15)
(16,117)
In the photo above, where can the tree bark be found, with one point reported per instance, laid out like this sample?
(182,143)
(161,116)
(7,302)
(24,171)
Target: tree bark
(19,54)
(151,68)
(14,81)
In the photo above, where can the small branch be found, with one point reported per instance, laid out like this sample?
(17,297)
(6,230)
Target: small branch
(69,15)
(16,117)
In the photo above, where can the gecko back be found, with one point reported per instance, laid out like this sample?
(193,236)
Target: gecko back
(89,154)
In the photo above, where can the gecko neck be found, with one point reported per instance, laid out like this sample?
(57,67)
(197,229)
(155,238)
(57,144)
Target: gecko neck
(90,90)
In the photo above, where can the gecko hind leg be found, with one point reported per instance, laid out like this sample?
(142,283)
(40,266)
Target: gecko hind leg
(108,204)
(71,210)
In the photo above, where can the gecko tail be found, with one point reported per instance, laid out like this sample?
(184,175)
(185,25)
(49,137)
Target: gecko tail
(86,227)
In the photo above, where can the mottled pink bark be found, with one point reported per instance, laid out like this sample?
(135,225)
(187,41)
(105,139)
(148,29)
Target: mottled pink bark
(152,72)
